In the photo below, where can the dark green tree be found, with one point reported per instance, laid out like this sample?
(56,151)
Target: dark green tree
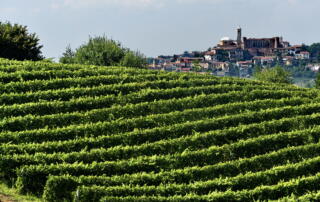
(279,58)
(17,43)
(68,57)
(314,50)
(234,70)
(276,75)
(247,55)
(223,56)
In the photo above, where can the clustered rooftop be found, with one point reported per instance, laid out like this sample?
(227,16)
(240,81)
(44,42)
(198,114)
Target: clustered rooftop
(244,47)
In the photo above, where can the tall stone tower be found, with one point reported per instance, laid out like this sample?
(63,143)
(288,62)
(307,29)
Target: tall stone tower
(239,36)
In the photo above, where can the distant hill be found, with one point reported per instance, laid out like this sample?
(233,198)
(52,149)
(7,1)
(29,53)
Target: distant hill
(87,133)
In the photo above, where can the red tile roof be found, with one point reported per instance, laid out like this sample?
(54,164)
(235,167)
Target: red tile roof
(264,57)
(245,62)
(210,53)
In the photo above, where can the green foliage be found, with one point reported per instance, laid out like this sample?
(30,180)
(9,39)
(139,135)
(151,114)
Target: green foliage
(300,71)
(223,56)
(68,57)
(256,70)
(103,52)
(196,66)
(100,51)
(276,75)
(299,186)
(314,50)
(48,60)
(175,161)
(17,43)
(318,81)
(8,193)
(54,185)
(133,59)
(90,133)
(234,70)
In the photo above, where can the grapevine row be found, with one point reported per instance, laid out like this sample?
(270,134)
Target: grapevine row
(144,95)
(298,187)
(61,186)
(146,109)
(247,181)
(121,126)
(32,178)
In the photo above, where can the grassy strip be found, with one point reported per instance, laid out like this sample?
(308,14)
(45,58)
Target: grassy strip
(12,195)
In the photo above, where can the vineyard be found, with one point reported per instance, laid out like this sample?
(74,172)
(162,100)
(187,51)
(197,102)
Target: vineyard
(88,133)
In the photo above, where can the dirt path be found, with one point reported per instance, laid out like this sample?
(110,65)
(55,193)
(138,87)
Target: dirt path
(5,198)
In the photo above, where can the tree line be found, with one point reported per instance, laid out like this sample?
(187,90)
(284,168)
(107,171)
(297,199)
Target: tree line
(17,43)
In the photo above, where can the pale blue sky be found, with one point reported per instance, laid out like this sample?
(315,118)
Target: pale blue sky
(158,27)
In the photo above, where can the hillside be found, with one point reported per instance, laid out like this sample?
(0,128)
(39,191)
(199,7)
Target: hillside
(88,133)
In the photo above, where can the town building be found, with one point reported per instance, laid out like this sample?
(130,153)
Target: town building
(303,55)
(244,48)
(236,57)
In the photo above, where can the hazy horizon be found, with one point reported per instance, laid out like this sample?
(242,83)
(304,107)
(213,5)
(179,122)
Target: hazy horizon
(161,27)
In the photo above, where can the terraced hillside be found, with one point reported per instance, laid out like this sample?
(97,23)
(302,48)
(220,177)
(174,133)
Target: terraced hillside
(120,134)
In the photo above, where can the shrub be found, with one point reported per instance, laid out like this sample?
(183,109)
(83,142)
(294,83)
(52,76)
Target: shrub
(104,52)
(276,75)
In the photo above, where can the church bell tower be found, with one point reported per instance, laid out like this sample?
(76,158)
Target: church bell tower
(239,36)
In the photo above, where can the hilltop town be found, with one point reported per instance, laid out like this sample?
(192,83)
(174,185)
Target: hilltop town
(239,57)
